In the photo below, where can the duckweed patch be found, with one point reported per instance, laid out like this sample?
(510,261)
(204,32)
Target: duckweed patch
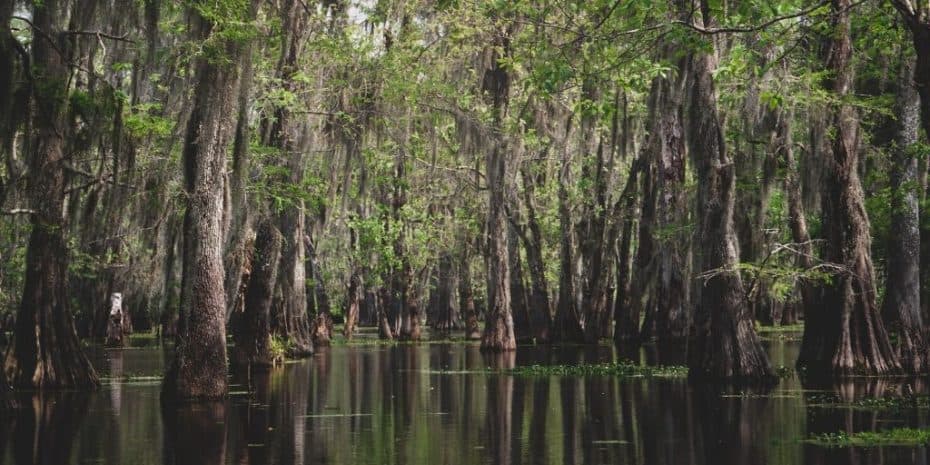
(129,378)
(890,437)
(622,369)
(796,328)
(894,403)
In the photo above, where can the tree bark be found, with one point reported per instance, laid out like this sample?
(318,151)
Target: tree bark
(252,329)
(46,353)
(446,310)
(290,134)
(384,325)
(901,309)
(541,307)
(353,301)
(199,368)
(918,22)
(797,223)
(7,87)
(410,328)
(467,300)
(724,343)
(237,237)
(317,297)
(567,326)
(626,315)
(845,335)
(595,243)
(519,297)
(672,267)
(498,330)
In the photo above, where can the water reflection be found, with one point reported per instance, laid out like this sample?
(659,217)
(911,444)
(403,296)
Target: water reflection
(250,419)
(438,404)
(45,426)
(195,434)
(499,418)
(851,417)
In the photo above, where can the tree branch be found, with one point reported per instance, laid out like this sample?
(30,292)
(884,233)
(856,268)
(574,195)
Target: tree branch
(757,27)
(103,35)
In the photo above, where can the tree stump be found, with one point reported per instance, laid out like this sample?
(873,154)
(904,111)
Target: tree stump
(322,330)
(119,325)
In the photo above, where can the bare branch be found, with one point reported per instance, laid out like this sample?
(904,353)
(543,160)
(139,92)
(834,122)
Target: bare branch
(104,35)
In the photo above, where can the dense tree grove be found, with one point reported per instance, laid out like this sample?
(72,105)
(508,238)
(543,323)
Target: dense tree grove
(675,172)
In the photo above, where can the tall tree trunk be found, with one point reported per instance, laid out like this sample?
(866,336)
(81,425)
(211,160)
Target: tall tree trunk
(291,135)
(199,368)
(238,234)
(321,329)
(384,325)
(252,329)
(845,335)
(797,222)
(917,17)
(467,298)
(291,296)
(7,87)
(901,310)
(919,23)
(498,329)
(596,242)
(626,315)
(756,166)
(6,402)
(672,267)
(170,307)
(567,326)
(540,306)
(724,342)
(642,292)
(410,328)
(519,297)
(353,301)
(46,353)
(444,283)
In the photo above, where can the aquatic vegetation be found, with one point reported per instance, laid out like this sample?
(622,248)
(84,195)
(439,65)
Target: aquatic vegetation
(127,378)
(795,328)
(783,372)
(622,369)
(890,437)
(895,403)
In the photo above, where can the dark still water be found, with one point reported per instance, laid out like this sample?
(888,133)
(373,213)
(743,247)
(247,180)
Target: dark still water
(426,404)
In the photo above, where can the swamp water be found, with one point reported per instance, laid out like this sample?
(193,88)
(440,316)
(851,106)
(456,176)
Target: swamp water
(443,403)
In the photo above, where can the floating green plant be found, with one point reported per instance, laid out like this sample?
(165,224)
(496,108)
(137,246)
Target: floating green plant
(623,369)
(890,437)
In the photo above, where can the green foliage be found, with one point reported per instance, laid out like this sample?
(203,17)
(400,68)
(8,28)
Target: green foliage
(228,24)
(146,120)
(781,278)
(280,347)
